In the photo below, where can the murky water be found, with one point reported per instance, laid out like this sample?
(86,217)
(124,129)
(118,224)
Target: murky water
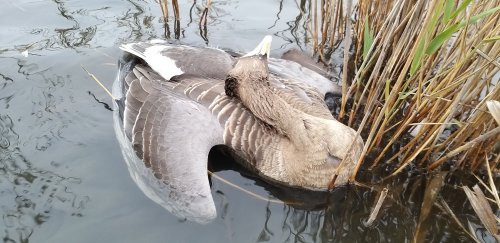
(62,175)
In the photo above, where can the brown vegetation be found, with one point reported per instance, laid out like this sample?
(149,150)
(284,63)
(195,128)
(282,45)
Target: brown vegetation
(426,67)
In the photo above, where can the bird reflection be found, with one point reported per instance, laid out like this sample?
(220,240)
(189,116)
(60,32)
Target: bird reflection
(306,214)
(339,215)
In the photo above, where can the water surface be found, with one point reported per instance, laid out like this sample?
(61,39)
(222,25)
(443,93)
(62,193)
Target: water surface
(62,175)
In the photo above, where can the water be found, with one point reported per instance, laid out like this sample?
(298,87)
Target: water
(62,175)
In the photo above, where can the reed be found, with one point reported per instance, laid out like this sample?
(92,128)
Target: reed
(425,81)
(427,73)
(422,67)
(164,9)
(425,68)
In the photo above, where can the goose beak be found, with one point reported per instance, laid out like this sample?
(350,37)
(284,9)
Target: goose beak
(263,49)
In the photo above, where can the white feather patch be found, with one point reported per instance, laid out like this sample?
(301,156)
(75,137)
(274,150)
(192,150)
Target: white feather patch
(163,65)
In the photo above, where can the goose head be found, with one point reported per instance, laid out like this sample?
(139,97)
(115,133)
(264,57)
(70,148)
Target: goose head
(245,71)
(249,68)
(313,150)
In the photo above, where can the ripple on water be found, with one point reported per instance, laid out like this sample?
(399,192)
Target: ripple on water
(29,194)
(49,119)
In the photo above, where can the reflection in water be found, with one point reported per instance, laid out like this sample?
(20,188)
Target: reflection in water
(37,98)
(29,195)
(40,107)
(36,101)
(4,81)
(31,192)
(266,233)
(339,216)
(106,105)
(138,23)
(73,36)
(277,15)
(69,26)
(296,28)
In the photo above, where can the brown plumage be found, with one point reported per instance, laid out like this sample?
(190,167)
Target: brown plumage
(312,143)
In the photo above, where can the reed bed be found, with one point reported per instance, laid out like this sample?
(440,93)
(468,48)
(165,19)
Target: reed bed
(424,88)
(425,68)
(425,92)
(426,73)
(426,83)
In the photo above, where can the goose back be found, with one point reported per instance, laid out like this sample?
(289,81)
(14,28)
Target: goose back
(170,114)
(167,128)
(238,127)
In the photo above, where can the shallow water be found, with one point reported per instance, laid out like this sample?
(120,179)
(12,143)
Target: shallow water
(62,175)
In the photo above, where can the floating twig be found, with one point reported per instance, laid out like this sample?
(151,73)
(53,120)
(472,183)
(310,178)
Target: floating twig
(376,209)
(98,82)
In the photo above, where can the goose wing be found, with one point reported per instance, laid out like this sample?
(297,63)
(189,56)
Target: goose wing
(171,60)
(302,87)
(305,60)
(291,70)
(301,96)
(166,139)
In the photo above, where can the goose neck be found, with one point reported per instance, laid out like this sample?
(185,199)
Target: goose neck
(268,106)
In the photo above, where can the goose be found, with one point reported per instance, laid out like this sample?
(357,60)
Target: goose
(175,102)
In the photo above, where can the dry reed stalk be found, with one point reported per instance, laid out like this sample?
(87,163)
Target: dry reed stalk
(483,210)
(204,14)
(443,205)
(315,24)
(175,6)
(325,24)
(431,193)
(430,63)
(335,19)
(164,9)
(376,208)
(347,44)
